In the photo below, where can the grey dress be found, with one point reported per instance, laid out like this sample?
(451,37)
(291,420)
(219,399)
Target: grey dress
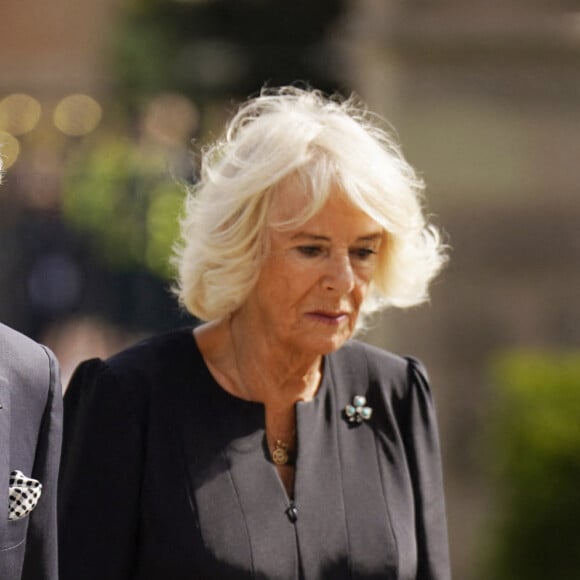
(166,476)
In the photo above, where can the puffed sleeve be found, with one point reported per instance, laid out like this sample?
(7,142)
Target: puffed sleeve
(100,477)
(40,562)
(424,454)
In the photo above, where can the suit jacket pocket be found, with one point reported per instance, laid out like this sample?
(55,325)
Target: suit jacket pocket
(15,533)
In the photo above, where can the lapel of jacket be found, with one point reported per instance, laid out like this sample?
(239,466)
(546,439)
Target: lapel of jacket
(4,454)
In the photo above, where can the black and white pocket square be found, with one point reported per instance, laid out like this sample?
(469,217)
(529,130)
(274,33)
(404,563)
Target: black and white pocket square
(23,493)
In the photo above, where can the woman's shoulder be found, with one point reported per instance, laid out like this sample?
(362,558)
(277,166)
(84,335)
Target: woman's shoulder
(381,366)
(136,369)
(158,351)
(373,357)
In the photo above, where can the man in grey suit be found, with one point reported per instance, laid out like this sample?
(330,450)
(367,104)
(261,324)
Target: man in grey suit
(30,439)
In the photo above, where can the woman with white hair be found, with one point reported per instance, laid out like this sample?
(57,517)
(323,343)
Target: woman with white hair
(265,442)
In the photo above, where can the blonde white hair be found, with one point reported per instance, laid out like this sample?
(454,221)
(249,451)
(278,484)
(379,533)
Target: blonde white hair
(329,144)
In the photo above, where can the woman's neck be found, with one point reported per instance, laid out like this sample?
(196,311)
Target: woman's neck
(250,366)
(271,373)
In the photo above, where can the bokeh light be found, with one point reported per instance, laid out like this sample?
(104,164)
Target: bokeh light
(9,149)
(19,113)
(172,118)
(77,115)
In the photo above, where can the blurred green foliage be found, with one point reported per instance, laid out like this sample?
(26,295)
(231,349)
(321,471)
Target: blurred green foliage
(535,453)
(215,49)
(123,198)
(118,188)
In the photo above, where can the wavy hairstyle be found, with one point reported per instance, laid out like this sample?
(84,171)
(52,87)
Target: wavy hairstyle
(326,143)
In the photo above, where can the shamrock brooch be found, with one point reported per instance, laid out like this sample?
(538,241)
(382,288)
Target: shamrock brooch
(358,412)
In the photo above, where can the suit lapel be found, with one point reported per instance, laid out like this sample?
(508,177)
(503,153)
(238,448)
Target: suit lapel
(4,455)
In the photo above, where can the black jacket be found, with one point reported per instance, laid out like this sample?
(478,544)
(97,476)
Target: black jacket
(166,476)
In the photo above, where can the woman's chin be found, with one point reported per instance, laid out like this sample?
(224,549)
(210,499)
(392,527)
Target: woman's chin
(327,344)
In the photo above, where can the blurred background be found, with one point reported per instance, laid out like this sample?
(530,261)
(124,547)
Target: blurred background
(104,103)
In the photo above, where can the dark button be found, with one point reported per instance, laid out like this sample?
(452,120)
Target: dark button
(292,513)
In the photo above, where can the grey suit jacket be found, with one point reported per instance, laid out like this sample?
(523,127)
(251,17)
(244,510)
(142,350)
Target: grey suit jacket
(30,439)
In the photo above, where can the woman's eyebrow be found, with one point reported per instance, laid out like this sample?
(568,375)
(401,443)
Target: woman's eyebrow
(318,238)
(371,237)
(312,237)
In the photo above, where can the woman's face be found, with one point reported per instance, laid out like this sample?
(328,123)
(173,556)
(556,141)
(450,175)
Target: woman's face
(315,278)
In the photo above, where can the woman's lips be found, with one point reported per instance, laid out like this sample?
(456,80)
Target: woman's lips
(331,318)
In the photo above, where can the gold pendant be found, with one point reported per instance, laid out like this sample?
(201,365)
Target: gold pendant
(280,453)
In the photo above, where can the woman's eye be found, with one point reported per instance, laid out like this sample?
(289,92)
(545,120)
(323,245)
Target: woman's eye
(310,251)
(363,253)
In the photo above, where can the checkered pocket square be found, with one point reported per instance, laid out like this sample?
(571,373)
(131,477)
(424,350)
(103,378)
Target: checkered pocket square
(24,493)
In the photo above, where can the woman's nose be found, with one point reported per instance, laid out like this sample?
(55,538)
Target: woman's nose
(340,275)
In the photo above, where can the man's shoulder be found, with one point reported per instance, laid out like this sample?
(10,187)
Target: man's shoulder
(16,349)
(30,373)
(9,337)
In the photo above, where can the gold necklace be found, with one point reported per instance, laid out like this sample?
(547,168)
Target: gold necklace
(280,453)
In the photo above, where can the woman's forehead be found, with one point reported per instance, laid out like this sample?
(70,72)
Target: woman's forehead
(295,208)
(290,199)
